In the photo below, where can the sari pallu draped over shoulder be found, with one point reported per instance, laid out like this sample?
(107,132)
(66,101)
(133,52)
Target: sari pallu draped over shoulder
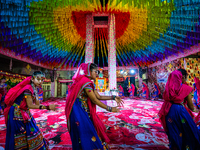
(12,95)
(175,92)
(80,80)
(197,83)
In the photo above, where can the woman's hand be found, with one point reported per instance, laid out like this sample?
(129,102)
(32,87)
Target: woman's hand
(53,107)
(119,101)
(196,110)
(115,109)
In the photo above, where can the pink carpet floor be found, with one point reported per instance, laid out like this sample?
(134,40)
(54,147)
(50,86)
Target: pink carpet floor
(136,126)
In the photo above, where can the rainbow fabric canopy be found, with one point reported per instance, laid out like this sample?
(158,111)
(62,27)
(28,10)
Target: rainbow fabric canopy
(53,32)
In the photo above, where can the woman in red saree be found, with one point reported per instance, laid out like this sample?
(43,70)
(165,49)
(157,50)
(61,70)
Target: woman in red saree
(145,91)
(132,91)
(121,91)
(156,92)
(174,115)
(87,132)
(22,131)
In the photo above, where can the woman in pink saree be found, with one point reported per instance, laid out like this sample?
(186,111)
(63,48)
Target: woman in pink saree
(121,91)
(145,91)
(86,130)
(22,131)
(132,91)
(174,115)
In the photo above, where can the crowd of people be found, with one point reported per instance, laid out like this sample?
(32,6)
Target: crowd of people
(86,130)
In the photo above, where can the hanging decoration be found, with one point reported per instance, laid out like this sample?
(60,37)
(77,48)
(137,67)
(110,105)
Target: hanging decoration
(54,32)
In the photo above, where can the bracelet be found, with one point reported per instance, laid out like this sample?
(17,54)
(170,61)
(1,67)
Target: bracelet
(44,107)
(47,107)
(109,109)
(113,97)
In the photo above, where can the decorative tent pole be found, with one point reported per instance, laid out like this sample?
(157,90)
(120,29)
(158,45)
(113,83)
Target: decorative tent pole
(89,51)
(112,52)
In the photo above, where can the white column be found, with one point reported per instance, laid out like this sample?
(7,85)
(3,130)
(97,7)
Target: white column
(112,52)
(53,89)
(89,51)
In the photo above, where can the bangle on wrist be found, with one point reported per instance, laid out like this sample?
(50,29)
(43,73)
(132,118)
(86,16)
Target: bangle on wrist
(44,107)
(113,97)
(109,108)
(47,107)
(40,107)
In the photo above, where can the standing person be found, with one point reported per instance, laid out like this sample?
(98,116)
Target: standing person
(121,91)
(145,91)
(3,91)
(68,87)
(177,122)
(131,91)
(86,130)
(156,92)
(22,131)
(196,97)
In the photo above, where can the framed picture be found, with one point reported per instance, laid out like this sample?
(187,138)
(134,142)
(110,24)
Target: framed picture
(101,84)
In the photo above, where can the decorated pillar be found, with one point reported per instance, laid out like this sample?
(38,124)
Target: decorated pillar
(112,53)
(53,89)
(89,51)
(139,78)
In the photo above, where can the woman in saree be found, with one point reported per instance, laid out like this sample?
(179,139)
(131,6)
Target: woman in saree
(22,131)
(156,92)
(3,91)
(68,87)
(131,91)
(86,130)
(174,115)
(145,91)
(196,97)
(121,91)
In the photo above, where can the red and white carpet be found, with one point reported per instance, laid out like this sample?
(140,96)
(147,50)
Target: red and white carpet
(135,127)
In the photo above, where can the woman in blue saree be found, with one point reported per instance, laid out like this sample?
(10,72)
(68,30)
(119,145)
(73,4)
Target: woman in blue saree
(145,91)
(131,91)
(121,91)
(175,117)
(156,91)
(22,131)
(87,132)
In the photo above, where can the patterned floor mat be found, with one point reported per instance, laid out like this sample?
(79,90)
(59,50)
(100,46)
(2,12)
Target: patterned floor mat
(136,126)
